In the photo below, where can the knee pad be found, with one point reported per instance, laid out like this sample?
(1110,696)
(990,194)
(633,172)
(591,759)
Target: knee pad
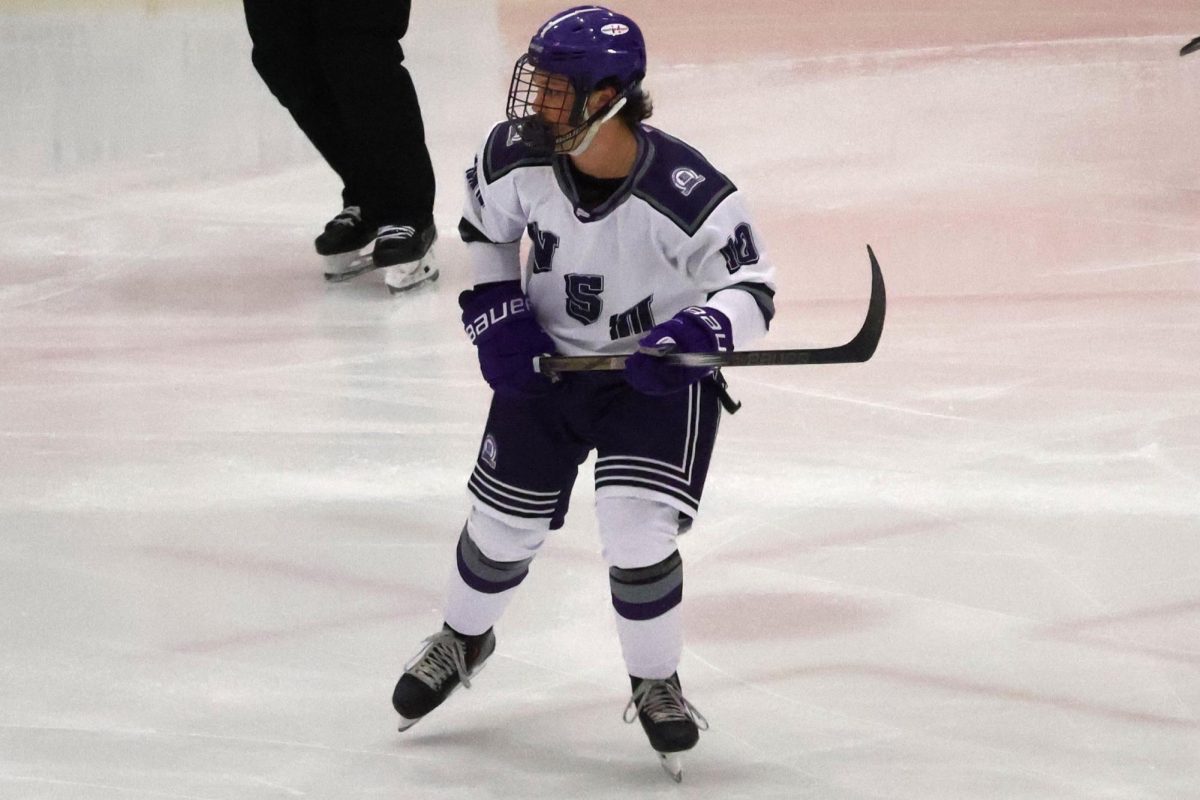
(492,556)
(502,541)
(635,532)
(647,592)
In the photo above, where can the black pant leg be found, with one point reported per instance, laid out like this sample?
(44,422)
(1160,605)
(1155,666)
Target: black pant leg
(361,58)
(285,52)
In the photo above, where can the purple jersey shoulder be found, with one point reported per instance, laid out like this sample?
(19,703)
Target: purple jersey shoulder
(679,182)
(505,151)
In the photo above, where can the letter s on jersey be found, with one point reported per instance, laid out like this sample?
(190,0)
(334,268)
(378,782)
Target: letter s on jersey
(583,297)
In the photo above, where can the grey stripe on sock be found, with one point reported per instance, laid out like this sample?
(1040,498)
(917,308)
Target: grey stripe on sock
(647,584)
(484,573)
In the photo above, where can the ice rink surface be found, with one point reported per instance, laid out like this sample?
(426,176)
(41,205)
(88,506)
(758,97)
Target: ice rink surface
(970,568)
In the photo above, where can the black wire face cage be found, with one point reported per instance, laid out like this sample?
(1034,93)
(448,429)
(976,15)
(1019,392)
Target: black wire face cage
(548,109)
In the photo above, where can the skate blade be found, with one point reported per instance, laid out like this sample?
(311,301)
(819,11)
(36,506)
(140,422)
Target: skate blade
(408,287)
(344,266)
(405,277)
(672,764)
(406,723)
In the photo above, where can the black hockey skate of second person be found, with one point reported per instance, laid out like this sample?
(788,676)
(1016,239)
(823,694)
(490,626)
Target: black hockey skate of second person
(338,69)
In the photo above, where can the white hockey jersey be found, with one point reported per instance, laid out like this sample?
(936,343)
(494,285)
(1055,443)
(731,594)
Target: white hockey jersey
(674,234)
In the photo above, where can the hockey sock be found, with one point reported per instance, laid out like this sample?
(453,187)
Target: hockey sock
(649,621)
(481,587)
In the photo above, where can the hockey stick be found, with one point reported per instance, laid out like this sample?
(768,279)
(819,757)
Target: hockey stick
(858,349)
(1190,47)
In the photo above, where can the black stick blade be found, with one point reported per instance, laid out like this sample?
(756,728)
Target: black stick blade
(863,345)
(1190,47)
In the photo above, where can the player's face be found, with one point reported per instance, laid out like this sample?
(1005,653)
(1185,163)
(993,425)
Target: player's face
(553,99)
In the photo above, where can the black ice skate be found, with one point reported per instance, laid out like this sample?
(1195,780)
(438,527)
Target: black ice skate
(344,244)
(671,723)
(446,659)
(407,254)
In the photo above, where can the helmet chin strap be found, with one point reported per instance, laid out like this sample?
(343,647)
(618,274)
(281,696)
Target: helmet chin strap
(594,128)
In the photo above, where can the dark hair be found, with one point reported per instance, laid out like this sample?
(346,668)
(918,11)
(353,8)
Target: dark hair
(638,105)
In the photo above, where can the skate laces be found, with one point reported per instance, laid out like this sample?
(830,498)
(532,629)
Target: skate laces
(662,701)
(396,232)
(441,656)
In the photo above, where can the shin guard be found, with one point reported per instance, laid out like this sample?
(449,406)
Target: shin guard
(487,575)
(647,592)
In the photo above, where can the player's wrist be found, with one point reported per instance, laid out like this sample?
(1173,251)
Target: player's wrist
(708,330)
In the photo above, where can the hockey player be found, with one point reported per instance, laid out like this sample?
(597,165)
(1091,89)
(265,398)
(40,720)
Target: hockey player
(638,245)
(337,68)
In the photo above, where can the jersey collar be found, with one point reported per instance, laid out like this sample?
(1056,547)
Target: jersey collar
(641,162)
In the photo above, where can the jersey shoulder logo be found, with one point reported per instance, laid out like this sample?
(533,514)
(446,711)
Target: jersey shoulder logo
(678,182)
(686,179)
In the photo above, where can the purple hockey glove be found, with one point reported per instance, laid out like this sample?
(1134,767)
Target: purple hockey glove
(500,321)
(696,329)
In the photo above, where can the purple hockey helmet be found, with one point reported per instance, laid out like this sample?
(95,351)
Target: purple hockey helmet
(571,55)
